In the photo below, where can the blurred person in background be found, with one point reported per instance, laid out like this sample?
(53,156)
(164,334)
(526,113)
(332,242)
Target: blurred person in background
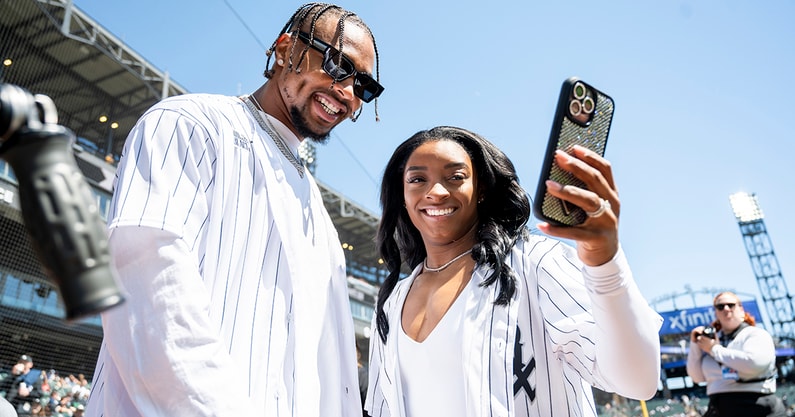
(25,386)
(737,360)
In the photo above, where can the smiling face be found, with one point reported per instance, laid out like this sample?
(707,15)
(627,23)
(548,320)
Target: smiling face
(440,192)
(313,101)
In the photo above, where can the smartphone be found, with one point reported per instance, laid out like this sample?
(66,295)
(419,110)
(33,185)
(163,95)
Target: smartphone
(583,117)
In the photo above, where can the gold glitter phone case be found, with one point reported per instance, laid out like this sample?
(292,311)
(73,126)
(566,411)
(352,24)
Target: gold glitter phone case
(583,117)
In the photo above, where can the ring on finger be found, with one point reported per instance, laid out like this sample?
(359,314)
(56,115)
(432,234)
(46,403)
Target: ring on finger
(603,206)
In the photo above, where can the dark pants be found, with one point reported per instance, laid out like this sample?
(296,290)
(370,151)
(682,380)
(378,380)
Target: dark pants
(745,404)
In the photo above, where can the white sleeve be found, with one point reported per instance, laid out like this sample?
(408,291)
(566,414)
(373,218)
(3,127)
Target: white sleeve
(627,330)
(167,172)
(374,365)
(694,357)
(375,402)
(166,349)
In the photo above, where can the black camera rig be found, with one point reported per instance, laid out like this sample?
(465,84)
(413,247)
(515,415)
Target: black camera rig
(58,209)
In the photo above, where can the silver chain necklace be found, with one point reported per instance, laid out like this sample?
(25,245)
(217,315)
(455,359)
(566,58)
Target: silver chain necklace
(252,104)
(429,269)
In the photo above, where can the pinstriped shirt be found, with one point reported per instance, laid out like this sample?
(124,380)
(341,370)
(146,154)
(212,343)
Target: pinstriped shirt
(567,328)
(235,278)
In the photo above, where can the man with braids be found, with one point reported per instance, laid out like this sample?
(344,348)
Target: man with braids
(494,321)
(237,300)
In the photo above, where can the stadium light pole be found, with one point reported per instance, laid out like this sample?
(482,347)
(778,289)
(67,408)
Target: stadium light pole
(776,297)
(746,207)
(308,155)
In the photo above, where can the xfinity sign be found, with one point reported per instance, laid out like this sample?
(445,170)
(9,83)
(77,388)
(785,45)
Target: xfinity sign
(683,321)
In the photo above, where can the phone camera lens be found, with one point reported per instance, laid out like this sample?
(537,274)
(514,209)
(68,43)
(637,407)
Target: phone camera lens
(575,108)
(588,105)
(579,91)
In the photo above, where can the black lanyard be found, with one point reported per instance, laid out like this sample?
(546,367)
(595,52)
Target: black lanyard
(725,339)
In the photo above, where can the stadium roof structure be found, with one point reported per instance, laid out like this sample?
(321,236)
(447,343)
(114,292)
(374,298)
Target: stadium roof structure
(101,86)
(53,48)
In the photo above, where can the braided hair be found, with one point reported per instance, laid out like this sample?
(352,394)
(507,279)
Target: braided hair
(502,214)
(312,13)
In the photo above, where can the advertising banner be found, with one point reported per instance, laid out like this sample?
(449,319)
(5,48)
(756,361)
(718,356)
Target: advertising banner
(682,321)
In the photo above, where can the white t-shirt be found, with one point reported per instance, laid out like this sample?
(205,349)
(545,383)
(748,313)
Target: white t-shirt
(431,372)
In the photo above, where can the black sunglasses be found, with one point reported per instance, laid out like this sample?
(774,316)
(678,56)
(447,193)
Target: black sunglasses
(339,67)
(720,306)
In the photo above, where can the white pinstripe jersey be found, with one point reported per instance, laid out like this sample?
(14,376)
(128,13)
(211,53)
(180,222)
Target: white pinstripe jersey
(567,327)
(249,313)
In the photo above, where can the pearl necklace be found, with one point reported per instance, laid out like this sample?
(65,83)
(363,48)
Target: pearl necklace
(429,269)
(266,125)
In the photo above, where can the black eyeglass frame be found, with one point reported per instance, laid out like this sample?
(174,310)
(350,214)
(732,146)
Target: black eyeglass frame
(364,86)
(721,306)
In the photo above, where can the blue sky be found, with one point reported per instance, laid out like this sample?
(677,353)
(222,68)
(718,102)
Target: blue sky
(704,96)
